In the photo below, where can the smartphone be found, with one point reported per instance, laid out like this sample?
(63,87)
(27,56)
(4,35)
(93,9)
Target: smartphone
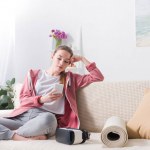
(59,88)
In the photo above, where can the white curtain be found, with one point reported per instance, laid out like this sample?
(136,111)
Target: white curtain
(7,40)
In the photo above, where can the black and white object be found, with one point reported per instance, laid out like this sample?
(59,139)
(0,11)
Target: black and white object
(59,88)
(71,136)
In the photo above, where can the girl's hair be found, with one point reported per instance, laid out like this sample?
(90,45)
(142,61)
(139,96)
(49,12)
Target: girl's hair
(69,50)
(65,48)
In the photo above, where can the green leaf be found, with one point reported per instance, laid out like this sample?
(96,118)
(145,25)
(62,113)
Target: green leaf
(12,81)
(3,92)
(8,82)
(2,108)
(9,88)
(11,95)
(10,104)
(4,101)
(7,94)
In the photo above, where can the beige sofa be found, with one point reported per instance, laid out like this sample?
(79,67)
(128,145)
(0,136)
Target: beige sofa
(96,103)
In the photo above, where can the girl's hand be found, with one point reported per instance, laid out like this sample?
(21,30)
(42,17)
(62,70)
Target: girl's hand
(51,96)
(75,58)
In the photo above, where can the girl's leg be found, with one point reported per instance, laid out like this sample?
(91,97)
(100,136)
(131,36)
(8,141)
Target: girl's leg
(6,128)
(5,133)
(43,123)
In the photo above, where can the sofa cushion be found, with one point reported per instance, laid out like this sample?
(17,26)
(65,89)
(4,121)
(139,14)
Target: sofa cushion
(94,143)
(17,88)
(139,125)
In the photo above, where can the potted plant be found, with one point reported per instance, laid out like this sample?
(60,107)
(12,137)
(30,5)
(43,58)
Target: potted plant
(7,94)
(58,36)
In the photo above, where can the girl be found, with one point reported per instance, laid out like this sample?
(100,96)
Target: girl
(42,109)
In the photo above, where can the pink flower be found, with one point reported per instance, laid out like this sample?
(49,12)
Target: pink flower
(58,34)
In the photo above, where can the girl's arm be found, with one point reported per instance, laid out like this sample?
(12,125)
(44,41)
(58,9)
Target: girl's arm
(27,94)
(93,76)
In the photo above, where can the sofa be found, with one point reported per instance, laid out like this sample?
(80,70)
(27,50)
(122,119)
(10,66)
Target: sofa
(96,103)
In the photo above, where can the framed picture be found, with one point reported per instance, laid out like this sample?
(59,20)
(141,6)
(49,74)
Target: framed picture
(142,11)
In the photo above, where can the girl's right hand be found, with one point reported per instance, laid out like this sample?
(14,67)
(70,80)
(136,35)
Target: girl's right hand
(51,96)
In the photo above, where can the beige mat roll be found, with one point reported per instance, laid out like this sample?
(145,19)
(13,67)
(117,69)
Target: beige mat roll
(114,133)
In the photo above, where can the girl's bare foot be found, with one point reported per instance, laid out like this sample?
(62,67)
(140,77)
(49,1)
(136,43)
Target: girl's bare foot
(17,137)
(39,137)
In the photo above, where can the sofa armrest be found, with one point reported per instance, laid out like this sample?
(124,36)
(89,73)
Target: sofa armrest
(17,87)
(5,112)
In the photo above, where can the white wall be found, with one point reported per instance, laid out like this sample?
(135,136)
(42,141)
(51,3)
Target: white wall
(108,35)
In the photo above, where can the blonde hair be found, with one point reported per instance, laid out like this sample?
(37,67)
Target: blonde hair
(65,48)
(69,50)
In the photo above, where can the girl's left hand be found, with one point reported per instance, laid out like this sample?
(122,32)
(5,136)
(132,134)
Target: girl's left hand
(75,58)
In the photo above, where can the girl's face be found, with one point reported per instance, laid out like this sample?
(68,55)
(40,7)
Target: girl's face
(61,59)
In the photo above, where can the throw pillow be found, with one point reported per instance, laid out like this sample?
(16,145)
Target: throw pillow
(139,125)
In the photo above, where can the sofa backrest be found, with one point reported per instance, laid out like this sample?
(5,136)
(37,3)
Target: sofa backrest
(101,100)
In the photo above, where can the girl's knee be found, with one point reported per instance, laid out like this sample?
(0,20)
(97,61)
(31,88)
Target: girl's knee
(50,123)
(49,119)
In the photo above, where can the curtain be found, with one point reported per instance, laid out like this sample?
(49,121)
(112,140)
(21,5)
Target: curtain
(7,40)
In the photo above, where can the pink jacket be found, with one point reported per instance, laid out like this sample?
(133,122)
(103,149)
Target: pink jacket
(28,98)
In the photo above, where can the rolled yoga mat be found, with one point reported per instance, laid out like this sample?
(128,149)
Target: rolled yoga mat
(114,133)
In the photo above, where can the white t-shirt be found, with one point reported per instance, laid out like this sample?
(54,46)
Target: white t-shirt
(44,85)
